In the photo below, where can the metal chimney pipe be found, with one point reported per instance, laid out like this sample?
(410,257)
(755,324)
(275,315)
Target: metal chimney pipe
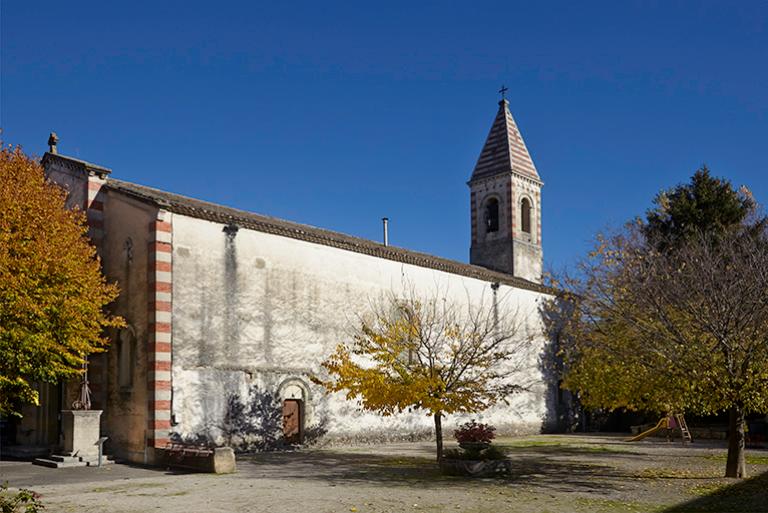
(385,222)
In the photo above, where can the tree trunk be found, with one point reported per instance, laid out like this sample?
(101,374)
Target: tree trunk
(439,435)
(736,464)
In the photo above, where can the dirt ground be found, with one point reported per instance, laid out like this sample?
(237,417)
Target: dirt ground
(600,474)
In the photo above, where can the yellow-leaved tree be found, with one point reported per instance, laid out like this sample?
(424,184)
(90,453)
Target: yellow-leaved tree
(52,292)
(433,354)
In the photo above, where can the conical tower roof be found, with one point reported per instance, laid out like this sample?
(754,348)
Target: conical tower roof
(504,149)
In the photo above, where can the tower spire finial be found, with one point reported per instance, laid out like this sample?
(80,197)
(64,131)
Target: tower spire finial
(503,92)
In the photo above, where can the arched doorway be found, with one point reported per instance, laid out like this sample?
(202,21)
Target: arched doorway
(296,404)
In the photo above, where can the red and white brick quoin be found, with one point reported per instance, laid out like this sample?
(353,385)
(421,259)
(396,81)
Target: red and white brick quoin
(159,350)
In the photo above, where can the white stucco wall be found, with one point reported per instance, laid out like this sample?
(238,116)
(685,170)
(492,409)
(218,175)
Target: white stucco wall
(262,310)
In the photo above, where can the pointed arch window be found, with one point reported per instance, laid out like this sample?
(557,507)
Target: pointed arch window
(525,215)
(492,215)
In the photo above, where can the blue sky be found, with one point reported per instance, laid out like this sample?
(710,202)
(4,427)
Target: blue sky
(336,114)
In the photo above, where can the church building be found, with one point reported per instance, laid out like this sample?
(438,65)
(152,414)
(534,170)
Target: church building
(230,313)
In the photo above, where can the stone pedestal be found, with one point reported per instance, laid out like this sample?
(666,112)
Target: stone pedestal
(81,432)
(223,460)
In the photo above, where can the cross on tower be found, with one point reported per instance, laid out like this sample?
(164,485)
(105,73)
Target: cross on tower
(503,92)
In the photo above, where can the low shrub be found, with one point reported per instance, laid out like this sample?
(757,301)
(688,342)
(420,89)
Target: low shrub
(474,432)
(23,501)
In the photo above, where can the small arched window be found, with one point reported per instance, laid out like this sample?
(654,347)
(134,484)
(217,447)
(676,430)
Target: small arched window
(525,215)
(492,215)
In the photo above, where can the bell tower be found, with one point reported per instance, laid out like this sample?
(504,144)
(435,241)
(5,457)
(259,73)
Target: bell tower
(505,203)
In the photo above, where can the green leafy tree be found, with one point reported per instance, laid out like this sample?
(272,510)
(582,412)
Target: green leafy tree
(52,292)
(433,355)
(705,205)
(669,317)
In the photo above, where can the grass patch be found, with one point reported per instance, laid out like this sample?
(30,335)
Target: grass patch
(532,443)
(615,506)
(554,446)
(707,489)
(414,461)
(673,473)
(752,459)
(603,449)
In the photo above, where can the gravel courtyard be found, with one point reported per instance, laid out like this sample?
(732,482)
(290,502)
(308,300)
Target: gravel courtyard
(551,474)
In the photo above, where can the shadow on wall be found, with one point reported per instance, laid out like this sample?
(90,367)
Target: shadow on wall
(251,424)
(746,495)
(563,411)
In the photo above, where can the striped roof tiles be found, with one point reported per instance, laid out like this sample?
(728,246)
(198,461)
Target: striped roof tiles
(504,149)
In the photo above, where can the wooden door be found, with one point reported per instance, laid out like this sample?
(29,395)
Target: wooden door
(292,421)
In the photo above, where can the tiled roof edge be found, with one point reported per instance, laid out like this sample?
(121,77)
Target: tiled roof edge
(101,170)
(225,215)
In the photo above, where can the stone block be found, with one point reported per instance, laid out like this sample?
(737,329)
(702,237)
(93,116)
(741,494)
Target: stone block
(81,432)
(219,460)
(223,460)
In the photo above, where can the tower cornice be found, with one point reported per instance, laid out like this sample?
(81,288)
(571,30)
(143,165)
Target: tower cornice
(490,178)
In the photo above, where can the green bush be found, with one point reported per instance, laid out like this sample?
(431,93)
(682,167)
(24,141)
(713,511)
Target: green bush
(23,501)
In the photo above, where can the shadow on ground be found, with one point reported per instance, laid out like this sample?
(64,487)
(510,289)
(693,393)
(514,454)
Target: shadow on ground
(748,495)
(344,468)
(563,449)
(25,474)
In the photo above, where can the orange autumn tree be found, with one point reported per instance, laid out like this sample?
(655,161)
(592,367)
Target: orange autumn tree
(434,355)
(52,292)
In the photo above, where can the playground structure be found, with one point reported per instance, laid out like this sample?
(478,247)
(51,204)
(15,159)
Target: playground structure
(670,422)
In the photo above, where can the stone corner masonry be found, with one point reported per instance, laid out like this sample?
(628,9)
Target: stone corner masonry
(159,349)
